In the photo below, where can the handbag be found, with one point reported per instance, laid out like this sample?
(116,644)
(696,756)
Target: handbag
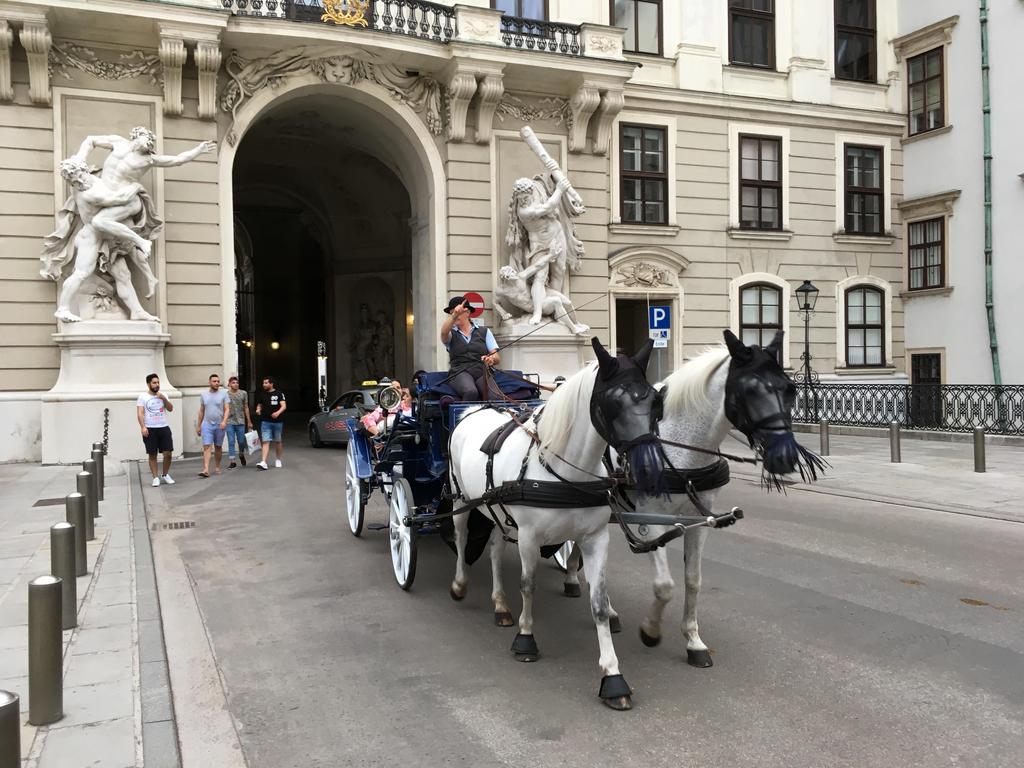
(252,441)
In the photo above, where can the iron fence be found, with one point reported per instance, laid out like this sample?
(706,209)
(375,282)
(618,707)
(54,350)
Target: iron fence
(538,35)
(933,407)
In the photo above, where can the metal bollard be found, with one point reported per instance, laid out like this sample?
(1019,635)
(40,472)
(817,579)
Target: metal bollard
(979,449)
(45,652)
(894,442)
(84,481)
(90,466)
(97,456)
(75,505)
(62,565)
(823,435)
(10,730)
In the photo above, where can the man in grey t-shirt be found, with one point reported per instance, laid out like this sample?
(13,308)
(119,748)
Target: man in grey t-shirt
(214,408)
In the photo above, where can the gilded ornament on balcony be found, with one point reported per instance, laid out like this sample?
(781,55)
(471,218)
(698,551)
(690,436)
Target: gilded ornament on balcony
(348,13)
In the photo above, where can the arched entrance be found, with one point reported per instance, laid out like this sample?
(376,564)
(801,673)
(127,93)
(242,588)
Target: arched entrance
(340,196)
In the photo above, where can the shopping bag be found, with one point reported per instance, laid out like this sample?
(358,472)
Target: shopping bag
(252,441)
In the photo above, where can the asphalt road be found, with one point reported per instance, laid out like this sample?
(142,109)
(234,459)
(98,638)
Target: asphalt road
(844,633)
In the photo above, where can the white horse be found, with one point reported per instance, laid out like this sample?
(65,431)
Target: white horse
(731,386)
(563,444)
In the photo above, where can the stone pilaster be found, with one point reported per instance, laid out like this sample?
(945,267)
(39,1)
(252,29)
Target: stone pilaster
(612,102)
(172,55)
(461,82)
(208,57)
(6,40)
(582,105)
(36,40)
(491,88)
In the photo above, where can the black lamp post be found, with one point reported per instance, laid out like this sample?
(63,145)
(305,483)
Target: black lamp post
(806,297)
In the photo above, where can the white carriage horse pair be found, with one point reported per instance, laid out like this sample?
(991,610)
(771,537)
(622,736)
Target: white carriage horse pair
(613,404)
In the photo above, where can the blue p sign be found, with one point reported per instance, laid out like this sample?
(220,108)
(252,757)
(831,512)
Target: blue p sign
(659,317)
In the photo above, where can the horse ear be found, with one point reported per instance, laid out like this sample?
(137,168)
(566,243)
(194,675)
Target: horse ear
(736,347)
(776,344)
(643,357)
(606,363)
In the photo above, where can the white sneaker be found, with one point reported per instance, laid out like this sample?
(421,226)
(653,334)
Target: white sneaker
(156,482)
(278,464)
(168,480)
(261,465)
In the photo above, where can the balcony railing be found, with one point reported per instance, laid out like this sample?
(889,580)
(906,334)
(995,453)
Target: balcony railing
(932,407)
(538,35)
(414,18)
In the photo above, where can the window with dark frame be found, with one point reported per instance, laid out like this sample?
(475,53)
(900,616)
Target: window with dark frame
(524,9)
(927,253)
(760,182)
(865,327)
(864,193)
(855,40)
(752,33)
(925,92)
(643,174)
(760,315)
(642,21)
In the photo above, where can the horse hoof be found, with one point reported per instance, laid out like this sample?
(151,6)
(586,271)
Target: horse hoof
(503,619)
(619,703)
(525,648)
(649,640)
(456,595)
(571,590)
(614,624)
(701,659)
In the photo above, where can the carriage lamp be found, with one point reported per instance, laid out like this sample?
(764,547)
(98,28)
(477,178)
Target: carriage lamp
(275,345)
(807,295)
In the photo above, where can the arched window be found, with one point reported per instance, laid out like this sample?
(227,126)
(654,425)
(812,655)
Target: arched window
(760,313)
(865,326)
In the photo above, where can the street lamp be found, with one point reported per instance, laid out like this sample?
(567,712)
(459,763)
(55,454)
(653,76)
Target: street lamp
(806,297)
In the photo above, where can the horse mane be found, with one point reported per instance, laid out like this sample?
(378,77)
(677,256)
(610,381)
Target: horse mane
(569,403)
(687,387)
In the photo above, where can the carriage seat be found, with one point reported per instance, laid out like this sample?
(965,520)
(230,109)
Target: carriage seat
(433,386)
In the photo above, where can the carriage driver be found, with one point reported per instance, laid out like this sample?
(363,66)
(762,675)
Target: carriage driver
(470,347)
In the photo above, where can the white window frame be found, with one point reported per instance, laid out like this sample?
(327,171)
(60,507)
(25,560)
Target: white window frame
(939,206)
(667,122)
(929,38)
(855,282)
(864,139)
(757,129)
(737,284)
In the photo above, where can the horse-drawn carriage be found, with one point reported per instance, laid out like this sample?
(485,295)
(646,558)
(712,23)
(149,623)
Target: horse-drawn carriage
(606,446)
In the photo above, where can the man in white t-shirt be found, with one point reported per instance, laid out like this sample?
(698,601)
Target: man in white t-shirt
(152,409)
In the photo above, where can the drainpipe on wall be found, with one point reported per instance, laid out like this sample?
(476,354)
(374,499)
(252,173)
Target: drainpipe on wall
(986,112)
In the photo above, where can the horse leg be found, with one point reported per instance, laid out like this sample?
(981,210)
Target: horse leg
(502,614)
(697,654)
(614,691)
(571,586)
(650,629)
(460,584)
(525,646)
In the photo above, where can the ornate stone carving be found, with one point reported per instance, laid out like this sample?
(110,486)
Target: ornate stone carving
(583,103)
(347,13)
(65,56)
(612,102)
(491,89)
(35,39)
(6,38)
(207,55)
(481,29)
(642,274)
(172,56)
(461,87)
(549,108)
(246,76)
(604,44)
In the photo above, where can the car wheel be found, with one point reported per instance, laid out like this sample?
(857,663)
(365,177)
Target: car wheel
(314,437)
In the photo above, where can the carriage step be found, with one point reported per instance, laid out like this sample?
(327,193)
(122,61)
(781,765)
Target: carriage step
(377,526)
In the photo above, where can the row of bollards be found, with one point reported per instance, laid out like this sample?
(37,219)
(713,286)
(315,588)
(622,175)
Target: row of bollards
(895,456)
(53,608)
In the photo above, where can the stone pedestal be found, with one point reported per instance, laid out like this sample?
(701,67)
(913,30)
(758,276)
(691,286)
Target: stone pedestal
(552,351)
(104,364)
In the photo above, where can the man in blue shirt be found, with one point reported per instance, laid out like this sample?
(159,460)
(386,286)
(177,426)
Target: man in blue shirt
(471,348)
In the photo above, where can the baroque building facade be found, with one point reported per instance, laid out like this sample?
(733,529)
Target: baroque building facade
(726,152)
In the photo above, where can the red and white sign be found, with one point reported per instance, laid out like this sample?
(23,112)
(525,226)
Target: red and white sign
(476,301)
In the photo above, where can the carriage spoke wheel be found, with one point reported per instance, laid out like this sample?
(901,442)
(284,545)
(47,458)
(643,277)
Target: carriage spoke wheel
(354,494)
(403,537)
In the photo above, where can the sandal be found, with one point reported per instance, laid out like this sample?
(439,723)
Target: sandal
(204,474)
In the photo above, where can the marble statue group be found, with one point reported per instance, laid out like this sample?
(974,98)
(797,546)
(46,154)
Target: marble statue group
(109,222)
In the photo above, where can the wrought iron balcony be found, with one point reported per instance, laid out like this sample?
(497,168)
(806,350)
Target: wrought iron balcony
(938,408)
(538,35)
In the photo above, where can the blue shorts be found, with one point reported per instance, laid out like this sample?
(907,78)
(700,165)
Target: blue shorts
(271,431)
(212,434)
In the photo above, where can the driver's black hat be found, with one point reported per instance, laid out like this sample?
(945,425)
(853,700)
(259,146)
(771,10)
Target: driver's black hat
(453,302)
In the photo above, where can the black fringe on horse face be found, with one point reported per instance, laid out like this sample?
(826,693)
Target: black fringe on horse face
(647,467)
(783,450)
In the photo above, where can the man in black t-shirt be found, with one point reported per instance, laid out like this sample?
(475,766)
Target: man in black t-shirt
(270,407)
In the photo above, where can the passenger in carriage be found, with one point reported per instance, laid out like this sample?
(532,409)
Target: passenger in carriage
(377,421)
(471,350)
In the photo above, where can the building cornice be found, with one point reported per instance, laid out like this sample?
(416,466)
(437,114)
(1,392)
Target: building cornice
(925,39)
(940,204)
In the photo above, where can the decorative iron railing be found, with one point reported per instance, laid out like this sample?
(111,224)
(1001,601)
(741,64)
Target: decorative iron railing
(538,35)
(414,18)
(933,407)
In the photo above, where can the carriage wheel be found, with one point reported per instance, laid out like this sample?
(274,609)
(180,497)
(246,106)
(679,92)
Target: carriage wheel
(403,537)
(354,494)
(561,557)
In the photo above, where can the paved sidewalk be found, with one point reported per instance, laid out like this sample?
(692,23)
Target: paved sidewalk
(933,474)
(102,723)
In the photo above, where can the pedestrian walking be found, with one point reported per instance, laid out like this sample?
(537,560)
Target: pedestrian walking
(270,408)
(239,422)
(214,409)
(152,409)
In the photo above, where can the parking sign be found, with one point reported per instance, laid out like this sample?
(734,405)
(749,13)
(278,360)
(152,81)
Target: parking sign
(659,317)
